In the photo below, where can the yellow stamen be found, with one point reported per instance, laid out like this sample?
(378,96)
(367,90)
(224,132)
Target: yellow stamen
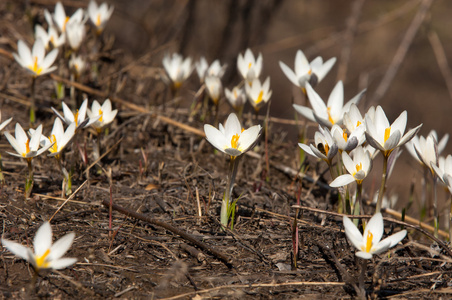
(328,110)
(243,129)
(41,260)
(54,148)
(359,167)
(76,119)
(235,141)
(35,68)
(309,72)
(369,241)
(27,147)
(259,98)
(98,20)
(357,124)
(64,24)
(344,135)
(101,115)
(387,133)
(235,94)
(249,65)
(327,149)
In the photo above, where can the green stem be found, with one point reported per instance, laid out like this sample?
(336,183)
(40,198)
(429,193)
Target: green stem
(233,166)
(435,208)
(383,183)
(358,209)
(32,104)
(267,163)
(362,277)
(450,219)
(29,181)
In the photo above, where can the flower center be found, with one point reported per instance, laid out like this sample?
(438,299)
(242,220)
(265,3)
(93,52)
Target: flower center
(328,110)
(359,167)
(358,123)
(98,20)
(41,260)
(369,241)
(309,72)
(249,65)
(27,148)
(387,133)
(63,29)
(344,135)
(35,68)
(76,119)
(235,141)
(54,148)
(259,98)
(101,114)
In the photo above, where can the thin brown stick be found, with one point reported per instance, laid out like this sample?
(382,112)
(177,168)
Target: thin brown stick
(416,227)
(401,51)
(441,59)
(219,255)
(256,285)
(72,196)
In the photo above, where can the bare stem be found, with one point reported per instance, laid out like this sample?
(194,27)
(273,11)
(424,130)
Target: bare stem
(32,104)
(435,207)
(361,279)
(383,183)
(29,181)
(233,166)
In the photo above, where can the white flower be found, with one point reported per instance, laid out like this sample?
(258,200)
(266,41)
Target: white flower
(258,94)
(177,68)
(58,138)
(231,138)
(35,61)
(354,122)
(444,171)
(345,141)
(358,167)
(214,88)
(60,19)
(78,118)
(104,114)
(385,137)
(236,97)
(99,15)
(425,150)
(24,146)
(369,243)
(249,67)
(50,36)
(305,72)
(324,147)
(333,112)
(77,64)
(46,255)
(75,33)
(215,69)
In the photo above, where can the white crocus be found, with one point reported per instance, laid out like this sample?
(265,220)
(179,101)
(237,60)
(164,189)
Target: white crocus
(386,137)
(60,19)
(231,138)
(249,67)
(215,69)
(26,147)
(58,139)
(45,255)
(236,97)
(358,167)
(50,36)
(78,118)
(75,33)
(354,122)
(444,171)
(35,61)
(177,68)
(103,114)
(370,242)
(77,64)
(258,94)
(331,113)
(426,149)
(304,71)
(99,15)
(344,140)
(324,147)
(214,88)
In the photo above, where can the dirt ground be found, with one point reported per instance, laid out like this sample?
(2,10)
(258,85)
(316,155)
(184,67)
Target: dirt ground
(166,183)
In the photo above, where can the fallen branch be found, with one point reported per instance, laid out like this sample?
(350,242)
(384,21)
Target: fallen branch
(220,256)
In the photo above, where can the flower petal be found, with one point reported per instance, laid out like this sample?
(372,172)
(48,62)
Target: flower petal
(342,180)
(43,239)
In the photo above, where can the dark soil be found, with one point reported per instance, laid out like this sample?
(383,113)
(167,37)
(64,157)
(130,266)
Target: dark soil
(164,172)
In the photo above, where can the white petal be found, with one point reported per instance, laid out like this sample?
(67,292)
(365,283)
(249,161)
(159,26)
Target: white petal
(363,255)
(342,180)
(43,239)
(376,227)
(16,249)
(305,112)
(61,246)
(62,263)
(395,238)
(289,73)
(352,233)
